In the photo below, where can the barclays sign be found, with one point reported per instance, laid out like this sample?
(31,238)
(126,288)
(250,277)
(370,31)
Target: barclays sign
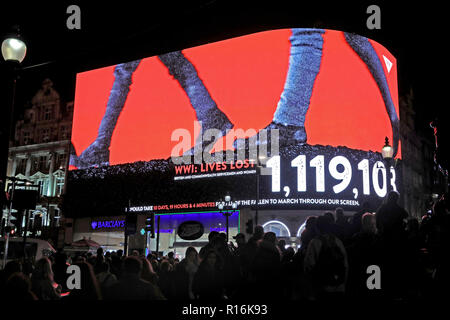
(107,224)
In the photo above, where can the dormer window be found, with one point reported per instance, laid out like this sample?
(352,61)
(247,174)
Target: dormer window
(45,135)
(48,113)
(26,137)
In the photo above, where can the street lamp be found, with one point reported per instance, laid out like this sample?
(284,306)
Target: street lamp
(13,51)
(259,161)
(387,153)
(221,206)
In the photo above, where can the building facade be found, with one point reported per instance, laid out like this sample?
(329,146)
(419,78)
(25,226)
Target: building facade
(417,160)
(39,154)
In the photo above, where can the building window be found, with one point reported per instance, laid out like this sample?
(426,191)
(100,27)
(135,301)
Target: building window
(26,137)
(43,163)
(59,184)
(64,132)
(21,166)
(40,182)
(48,113)
(45,135)
(61,161)
(40,164)
(69,107)
(43,183)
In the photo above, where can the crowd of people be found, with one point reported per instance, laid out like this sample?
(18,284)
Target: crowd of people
(334,262)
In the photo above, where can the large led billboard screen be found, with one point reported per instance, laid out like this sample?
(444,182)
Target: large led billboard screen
(329,97)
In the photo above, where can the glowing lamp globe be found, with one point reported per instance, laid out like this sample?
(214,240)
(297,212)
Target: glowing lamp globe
(14,49)
(387,151)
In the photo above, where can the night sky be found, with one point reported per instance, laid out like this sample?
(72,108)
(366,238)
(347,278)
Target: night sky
(114,32)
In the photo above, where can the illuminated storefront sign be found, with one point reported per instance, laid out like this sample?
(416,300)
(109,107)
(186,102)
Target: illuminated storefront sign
(107,224)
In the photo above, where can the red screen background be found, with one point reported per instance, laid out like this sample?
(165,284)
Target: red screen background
(245,76)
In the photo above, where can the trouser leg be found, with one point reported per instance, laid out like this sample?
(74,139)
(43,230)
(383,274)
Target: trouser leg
(208,114)
(98,152)
(366,52)
(304,65)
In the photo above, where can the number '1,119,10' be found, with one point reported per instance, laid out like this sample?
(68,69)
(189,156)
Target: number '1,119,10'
(345,176)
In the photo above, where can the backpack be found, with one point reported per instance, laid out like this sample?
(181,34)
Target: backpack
(330,267)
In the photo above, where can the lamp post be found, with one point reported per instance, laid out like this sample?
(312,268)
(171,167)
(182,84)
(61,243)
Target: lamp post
(226,213)
(387,152)
(13,51)
(259,161)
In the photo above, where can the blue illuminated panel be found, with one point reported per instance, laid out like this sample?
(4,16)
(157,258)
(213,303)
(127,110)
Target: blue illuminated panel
(212,221)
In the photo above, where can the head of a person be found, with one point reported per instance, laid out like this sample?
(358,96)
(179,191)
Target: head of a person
(120,253)
(79,258)
(425,219)
(12,267)
(103,267)
(132,266)
(441,207)
(223,235)
(413,225)
(165,267)
(170,255)
(258,233)
(365,206)
(368,223)
(60,258)
(329,216)
(92,260)
(211,258)
(282,243)
(155,265)
(323,225)
(99,252)
(18,287)
(192,255)
(240,239)
(212,235)
(219,244)
(290,252)
(89,287)
(310,222)
(339,213)
(393,197)
(43,270)
(135,253)
(270,237)
(147,271)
